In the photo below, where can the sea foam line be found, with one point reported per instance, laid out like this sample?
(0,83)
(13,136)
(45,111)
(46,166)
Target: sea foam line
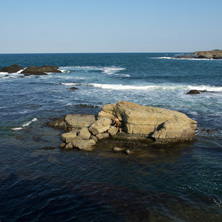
(107,70)
(69,84)
(157,87)
(25,125)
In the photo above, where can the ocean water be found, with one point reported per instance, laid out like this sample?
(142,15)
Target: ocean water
(180,183)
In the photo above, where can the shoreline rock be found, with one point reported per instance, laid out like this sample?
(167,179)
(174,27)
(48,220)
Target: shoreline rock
(145,124)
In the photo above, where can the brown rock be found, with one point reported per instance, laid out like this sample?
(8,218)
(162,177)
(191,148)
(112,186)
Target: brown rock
(118,149)
(99,136)
(86,145)
(144,120)
(84,134)
(70,136)
(68,146)
(62,145)
(105,135)
(79,120)
(100,126)
(112,130)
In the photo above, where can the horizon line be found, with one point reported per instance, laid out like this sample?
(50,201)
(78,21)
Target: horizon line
(4,53)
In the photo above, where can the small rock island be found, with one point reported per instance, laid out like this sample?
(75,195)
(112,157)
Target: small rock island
(213,54)
(139,123)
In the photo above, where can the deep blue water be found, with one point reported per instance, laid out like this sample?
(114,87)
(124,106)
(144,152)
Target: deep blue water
(181,183)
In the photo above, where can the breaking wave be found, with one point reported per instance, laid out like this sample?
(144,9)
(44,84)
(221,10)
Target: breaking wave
(25,125)
(106,70)
(157,87)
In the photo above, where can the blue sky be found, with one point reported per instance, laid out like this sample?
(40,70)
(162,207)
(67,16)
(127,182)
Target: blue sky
(60,26)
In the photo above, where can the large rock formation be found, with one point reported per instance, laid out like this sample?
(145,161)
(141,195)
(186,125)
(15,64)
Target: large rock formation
(157,123)
(11,69)
(140,123)
(43,70)
(213,54)
(31,70)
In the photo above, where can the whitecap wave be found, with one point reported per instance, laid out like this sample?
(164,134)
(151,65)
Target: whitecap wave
(70,84)
(107,70)
(157,87)
(206,88)
(190,59)
(3,73)
(25,125)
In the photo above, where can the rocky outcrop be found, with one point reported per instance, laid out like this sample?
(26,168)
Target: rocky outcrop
(31,70)
(213,54)
(11,69)
(43,70)
(139,123)
(150,121)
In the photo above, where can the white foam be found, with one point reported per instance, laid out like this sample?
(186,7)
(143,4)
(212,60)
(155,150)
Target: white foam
(20,70)
(207,88)
(112,70)
(192,59)
(69,84)
(25,125)
(107,70)
(156,87)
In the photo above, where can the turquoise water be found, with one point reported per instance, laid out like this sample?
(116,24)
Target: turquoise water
(181,183)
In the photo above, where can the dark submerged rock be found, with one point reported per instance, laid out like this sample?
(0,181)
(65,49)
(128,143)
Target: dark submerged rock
(47,148)
(74,88)
(11,69)
(57,123)
(194,91)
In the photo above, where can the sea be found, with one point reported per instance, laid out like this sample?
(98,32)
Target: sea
(40,182)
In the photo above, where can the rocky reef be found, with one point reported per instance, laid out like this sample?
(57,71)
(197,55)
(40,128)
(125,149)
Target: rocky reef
(31,70)
(213,54)
(139,123)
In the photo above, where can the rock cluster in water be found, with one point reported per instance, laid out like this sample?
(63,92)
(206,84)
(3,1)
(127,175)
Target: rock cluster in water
(138,123)
(213,54)
(31,70)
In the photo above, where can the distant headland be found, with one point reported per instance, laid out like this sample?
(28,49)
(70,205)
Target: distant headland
(213,54)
